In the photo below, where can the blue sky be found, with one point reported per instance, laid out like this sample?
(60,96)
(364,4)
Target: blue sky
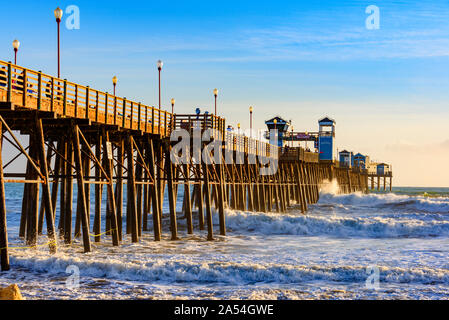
(386,88)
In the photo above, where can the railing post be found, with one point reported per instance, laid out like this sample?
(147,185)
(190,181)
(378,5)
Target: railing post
(65,98)
(106,103)
(146,118)
(159,124)
(165,123)
(96,108)
(76,101)
(132,115)
(24,88)
(123,112)
(52,98)
(39,90)
(9,94)
(87,102)
(115,110)
(152,120)
(138,116)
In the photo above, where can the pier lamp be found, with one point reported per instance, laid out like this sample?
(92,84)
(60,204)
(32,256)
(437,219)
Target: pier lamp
(58,15)
(114,82)
(292,136)
(215,95)
(238,127)
(15,45)
(275,121)
(159,68)
(307,133)
(251,121)
(173,105)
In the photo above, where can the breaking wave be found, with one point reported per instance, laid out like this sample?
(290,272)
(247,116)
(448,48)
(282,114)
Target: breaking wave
(224,272)
(354,215)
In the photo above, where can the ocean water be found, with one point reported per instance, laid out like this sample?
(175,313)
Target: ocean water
(376,246)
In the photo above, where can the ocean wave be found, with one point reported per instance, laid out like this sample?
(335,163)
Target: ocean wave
(335,225)
(390,201)
(185,271)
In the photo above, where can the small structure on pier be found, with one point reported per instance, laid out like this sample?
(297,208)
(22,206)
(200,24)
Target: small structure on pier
(346,159)
(326,139)
(361,161)
(279,124)
(383,169)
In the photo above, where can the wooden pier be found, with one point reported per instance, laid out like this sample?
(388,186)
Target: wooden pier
(100,141)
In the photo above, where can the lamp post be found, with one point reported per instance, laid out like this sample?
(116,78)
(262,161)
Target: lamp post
(215,95)
(307,134)
(251,122)
(292,136)
(238,127)
(58,15)
(159,68)
(114,82)
(173,106)
(15,45)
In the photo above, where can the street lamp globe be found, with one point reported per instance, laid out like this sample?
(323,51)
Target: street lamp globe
(160,64)
(173,101)
(215,92)
(114,80)
(16,44)
(58,14)
(250,109)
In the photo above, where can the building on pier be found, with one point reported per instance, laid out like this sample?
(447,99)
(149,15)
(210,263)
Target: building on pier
(346,159)
(361,161)
(383,169)
(279,124)
(326,137)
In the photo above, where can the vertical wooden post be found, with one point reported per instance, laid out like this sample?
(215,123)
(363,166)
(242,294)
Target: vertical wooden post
(110,188)
(131,195)
(33,200)
(62,195)
(81,191)
(9,92)
(64,102)
(39,90)
(42,207)
(171,194)
(188,201)
(4,256)
(210,233)
(220,187)
(138,175)
(46,197)
(154,193)
(98,190)
(69,196)
(87,103)
(119,186)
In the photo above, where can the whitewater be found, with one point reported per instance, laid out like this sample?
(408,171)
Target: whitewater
(332,252)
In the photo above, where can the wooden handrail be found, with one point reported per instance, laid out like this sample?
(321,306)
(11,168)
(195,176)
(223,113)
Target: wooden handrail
(36,90)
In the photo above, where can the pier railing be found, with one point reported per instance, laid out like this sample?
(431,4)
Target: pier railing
(298,154)
(35,90)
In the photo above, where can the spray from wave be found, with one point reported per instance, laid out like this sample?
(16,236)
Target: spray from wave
(329,187)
